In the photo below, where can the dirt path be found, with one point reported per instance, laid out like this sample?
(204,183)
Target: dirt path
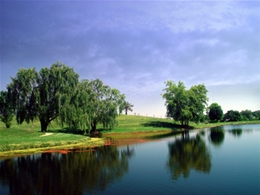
(46,134)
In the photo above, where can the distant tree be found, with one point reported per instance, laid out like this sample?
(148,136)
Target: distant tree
(256,114)
(233,115)
(247,115)
(93,103)
(128,107)
(42,95)
(185,105)
(215,112)
(6,109)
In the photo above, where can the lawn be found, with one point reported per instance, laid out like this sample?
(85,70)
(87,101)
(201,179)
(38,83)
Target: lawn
(130,124)
(27,138)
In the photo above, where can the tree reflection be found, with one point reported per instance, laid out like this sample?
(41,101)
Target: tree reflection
(186,154)
(236,132)
(217,136)
(129,152)
(55,173)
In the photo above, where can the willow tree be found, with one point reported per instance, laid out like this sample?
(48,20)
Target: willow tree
(185,105)
(41,95)
(93,103)
(75,112)
(6,109)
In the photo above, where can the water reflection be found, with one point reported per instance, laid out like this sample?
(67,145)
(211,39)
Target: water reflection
(236,132)
(129,152)
(73,173)
(188,153)
(217,136)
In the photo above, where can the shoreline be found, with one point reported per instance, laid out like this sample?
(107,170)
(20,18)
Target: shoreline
(119,139)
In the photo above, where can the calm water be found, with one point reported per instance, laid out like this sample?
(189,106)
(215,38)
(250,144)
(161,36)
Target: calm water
(223,160)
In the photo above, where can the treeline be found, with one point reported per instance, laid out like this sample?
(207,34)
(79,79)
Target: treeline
(187,105)
(215,114)
(56,93)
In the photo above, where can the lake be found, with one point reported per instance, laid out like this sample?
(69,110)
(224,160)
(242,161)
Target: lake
(221,160)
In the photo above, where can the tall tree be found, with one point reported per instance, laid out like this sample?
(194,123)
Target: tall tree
(6,109)
(105,104)
(128,107)
(42,95)
(93,103)
(185,105)
(215,112)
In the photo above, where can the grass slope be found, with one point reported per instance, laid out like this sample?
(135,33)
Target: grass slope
(130,124)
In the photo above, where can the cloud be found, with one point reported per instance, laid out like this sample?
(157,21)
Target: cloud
(136,46)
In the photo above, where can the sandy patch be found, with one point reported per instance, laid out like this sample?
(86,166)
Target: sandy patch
(46,134)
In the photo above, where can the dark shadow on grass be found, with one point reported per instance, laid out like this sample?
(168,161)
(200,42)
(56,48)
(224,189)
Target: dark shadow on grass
(175,129)
(166,125)
(67,130)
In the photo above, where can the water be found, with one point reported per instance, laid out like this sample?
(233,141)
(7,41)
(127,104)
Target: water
(222,160)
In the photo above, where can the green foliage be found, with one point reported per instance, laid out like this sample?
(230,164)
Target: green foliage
(6,109)
(92,103)
(128,107)
(215,112)
(185,105)
(256,114)
(233,115)
(247,115)
(42,95)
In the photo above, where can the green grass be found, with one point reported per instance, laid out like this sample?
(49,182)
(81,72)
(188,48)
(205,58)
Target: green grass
(130,124)
(28,138)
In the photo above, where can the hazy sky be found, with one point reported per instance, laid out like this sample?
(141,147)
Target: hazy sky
(135,46)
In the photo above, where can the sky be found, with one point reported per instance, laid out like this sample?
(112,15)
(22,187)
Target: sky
(135,46)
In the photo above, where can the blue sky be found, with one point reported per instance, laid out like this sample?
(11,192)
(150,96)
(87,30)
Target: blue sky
(135,46)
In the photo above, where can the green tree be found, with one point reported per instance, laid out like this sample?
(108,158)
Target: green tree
(42,95)
(185,105)
(256,114)
(215,112)
(93,103)
(6,109)
(232,115)
(106,104)
(76,110)
(247,115)
(128,107)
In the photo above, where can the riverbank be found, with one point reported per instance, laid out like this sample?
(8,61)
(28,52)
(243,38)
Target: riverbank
(27,138)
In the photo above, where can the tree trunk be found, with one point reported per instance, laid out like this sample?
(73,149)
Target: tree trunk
(93,127)
(44,125)
(125,111)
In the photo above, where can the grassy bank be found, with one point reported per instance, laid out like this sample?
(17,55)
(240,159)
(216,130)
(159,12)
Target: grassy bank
(27,138)
(131,124)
